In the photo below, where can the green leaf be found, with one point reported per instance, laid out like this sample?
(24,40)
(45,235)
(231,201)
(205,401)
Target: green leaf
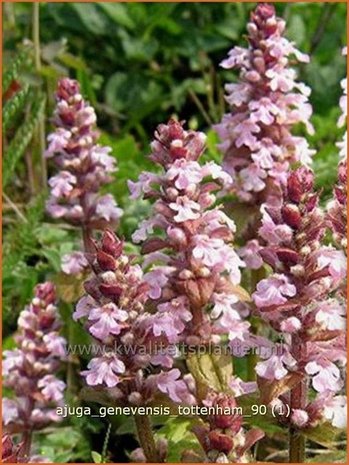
(118,13)
(180,438)
(96,457)
(324,434)
(211,371)
(91,17)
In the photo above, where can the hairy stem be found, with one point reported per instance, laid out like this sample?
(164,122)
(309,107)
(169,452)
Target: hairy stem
(298,400)
(146,438)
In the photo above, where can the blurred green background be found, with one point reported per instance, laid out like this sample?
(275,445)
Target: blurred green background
(138,64)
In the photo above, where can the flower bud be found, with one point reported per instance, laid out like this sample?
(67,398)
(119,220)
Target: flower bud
(220,442)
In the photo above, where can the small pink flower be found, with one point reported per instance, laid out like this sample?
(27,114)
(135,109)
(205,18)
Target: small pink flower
(106,320)
(335,261)
(263,110)
(57,141)
(74,263)
(52,388)
(184,173)
(207,250)
(187,209)
(167,324)
(83,307)
(237,57)
(107,208)
(170,383)
(143,185)
(56,344)
(223,303)
(274,234)
(325,376)
(275,367)
(274,290)
(252,178)
(157,279)
(101,156)
(336,411)
(104,370)
(246,131)
(146,227)
(330,314)
(62,184)
(250,254)
(290,325)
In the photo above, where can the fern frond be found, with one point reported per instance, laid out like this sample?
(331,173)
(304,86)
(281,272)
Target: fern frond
(23,58)
(22,138)
(14,106)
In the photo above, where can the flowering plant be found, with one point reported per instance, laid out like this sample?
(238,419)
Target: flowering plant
(30,368)
(204,322)
(266,103)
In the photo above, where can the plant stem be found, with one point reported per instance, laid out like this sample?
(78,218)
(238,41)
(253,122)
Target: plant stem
(86,237)
(27,441)
(37,61)
(146,438)
(298,399)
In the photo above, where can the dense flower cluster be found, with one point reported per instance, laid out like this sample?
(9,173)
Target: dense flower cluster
(30,369)
(194,271)
(129,340)
(84,167)
(301,301)
(337,208)
(222,436)
(266,103)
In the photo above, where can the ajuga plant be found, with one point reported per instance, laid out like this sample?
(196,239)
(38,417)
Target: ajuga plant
(337,208)
(265,104)
(129,340)
(30,370)
(83,166)
(302,304)
(193,272)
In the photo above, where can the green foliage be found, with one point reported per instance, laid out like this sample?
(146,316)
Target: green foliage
(62,445)
(18,62)
(180,438)
(23,135)
(32,250)
(13,107)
